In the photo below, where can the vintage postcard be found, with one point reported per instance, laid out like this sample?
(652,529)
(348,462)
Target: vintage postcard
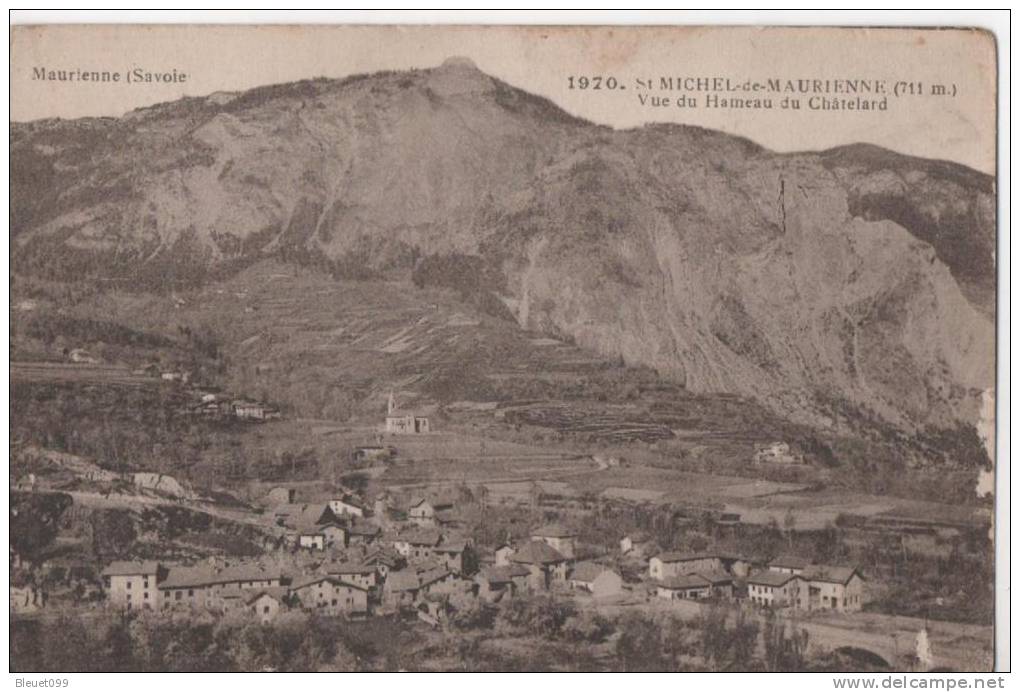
(502,348)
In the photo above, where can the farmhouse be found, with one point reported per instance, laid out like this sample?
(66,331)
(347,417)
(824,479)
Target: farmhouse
(347,504)
(789,564)
(417,545)
(312,526)
(670,564)
(596,579)
(404,422)
(319,536)
(684,587)
(834,588)
(503,553)
(777,589)
(385,560)
(362,533)
(266,604)
(450,554)
(557,536)
(497,581)
(201,586)
(331,595)
(291,514)
(421,512)
(545,564)
(408,586)
(132,585)
(637,544)
(357,574)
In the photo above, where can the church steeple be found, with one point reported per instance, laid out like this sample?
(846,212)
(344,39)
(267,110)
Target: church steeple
(391,405)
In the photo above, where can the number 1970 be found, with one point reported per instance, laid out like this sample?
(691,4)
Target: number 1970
(594,83)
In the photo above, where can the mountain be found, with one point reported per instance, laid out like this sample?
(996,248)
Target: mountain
(849,283)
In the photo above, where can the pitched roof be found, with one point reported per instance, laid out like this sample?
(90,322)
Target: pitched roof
(685,581)
(349,568)
(716,577)
(363,528)
(537,553)
(414,578)
(383,555)
(182,576)
(350,500)
(277,592)
(503,574)
(430,537)
(126,568)
(688,557)
(588,571)
(554,531)
(451,546)
(312,579)
(831,574)
(771,578)
(305,516)
(790,561)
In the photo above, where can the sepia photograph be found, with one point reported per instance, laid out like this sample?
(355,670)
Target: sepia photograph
(503,348)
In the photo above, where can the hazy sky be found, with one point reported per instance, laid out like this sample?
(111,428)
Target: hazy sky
(542,59)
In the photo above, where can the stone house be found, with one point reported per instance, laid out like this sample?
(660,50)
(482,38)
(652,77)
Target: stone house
(132,585)
(557,536)
(331,595)
(596,579)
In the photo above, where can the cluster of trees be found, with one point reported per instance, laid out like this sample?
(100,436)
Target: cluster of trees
(721,638)
(119,643)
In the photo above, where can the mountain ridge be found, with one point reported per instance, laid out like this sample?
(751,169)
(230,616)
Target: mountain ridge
(852,277)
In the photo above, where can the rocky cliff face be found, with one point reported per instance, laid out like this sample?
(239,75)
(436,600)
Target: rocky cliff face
(849,280)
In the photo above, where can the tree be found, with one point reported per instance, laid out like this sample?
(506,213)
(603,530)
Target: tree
(726,648)
(639,647)
(789,521)
(784,651)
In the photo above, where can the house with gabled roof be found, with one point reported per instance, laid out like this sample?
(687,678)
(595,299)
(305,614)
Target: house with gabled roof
(789,564)
(266,603)
(672,564)
(775,589)
(421,512)
(362,533)
(496,582)
(132,584)
(417,544)
(557,536)
(545,563)
(348,504)
(450,554)
(311,525)
(408,586)
(200,586)
(596,579)
(330,595)
(834,588)
(354,572)
(384,559)
(405,421)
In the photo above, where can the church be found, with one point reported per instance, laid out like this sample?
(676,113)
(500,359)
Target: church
(404,422)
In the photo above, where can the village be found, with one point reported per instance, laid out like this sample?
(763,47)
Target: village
(406,552)
(159,487)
